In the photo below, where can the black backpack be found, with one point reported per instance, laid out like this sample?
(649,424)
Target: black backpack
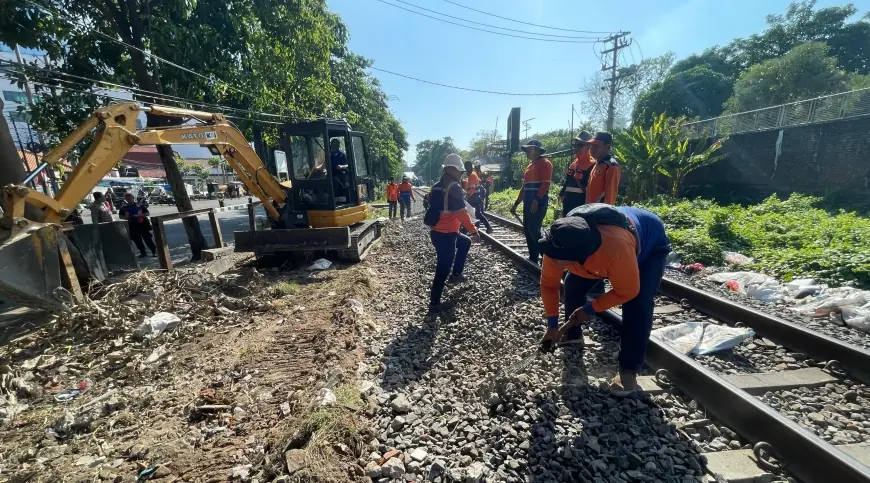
(603,214)
(433,213)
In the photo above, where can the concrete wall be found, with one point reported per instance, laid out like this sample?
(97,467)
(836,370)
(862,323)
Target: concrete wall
(813,159)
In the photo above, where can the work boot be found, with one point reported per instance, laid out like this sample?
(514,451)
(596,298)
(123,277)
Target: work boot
(489,229)
(457,278)
(143,255)
(623,384)
(435,309)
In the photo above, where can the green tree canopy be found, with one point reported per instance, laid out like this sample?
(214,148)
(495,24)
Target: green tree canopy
(696,92)
(430,157)
(804,72)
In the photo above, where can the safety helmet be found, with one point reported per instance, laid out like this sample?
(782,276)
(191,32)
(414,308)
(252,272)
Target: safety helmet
(477,164)
(453,161)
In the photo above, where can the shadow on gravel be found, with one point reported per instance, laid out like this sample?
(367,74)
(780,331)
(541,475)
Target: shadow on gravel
(411,354)
(596,437)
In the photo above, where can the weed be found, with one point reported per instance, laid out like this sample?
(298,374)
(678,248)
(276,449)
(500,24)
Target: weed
(286,288)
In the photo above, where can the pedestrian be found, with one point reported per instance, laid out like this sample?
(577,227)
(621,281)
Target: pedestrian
(534,195)
(445,215)
(100,211)
(476,194)
(392,197)
(625,245)
(490,186)
(110,198)
(603,185)
(406,195)
(140,226)
(573,192)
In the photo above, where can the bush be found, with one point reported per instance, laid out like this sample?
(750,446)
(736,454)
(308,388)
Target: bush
(502,202)
(696,246)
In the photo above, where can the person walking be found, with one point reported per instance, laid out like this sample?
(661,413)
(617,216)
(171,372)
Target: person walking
(626,245)
(445,215)
(136,215)
(603,185)
(392,197)
(476,194)
(406,196)
(573,192)
(100,211)
(534,195)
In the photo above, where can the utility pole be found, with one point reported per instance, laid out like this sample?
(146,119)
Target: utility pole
(39,135)
(572,120)
(619,43)
(527,126)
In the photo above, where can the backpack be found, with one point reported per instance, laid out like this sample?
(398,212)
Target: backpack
(603,214)
(433,213)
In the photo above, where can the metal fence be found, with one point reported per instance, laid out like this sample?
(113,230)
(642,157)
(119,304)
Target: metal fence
(821,109)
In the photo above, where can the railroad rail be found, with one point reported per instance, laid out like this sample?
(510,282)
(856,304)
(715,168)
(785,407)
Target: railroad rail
(730,398)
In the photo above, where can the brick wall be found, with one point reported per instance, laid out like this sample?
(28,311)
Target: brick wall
(813,159)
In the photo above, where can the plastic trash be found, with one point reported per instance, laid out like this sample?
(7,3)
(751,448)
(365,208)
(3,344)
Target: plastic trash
(743,279)
(692,268)
(320,264)
(156,354)
(857,318)
(325,397)
(700,338)
(470,210)
(157,324)
(734,258)
(796,285)
(67,395)
(673,261)
(733,285)
(833,302)
(769,291)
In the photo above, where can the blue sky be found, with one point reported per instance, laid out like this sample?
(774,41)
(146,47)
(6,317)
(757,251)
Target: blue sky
(413,45)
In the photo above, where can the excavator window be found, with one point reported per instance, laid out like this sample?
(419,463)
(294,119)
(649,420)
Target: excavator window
(359,156)
(308,157)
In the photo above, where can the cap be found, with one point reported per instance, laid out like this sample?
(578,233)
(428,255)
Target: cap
(453,161)
(477,163)
(534,143)
(581,139)
(602,137)
(570,238)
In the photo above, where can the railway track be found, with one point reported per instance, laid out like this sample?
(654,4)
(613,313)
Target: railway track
(791,392)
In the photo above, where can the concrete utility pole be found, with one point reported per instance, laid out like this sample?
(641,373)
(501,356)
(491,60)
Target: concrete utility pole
(619,43)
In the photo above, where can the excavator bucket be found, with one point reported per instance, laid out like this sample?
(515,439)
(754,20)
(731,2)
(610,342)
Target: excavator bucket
(30,271)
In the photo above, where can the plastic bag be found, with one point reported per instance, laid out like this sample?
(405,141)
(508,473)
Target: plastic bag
(320,264)
(673,261)
(743,279)
(470,210)
(702,338)
(834,301)
(766,292)
(734,258)
(857,318)
(157,324)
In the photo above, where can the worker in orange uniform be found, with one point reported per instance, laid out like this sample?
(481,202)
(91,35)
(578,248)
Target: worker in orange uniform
(406,195)
(476,194)
(534,195)
(490,185)
(626,245)
(603,183)
(573,192)
(445,215)
(392,197)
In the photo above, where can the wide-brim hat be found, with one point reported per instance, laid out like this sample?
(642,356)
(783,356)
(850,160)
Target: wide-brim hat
(534,143)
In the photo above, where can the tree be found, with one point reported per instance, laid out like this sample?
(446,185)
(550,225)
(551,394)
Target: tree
(804,72)
(695,93)
(722,60)
(430,157)
(218,162)
(628,88)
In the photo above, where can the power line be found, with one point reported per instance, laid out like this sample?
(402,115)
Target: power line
(479,90)
(528,23)
(494,26)
(484,30)
(210,79)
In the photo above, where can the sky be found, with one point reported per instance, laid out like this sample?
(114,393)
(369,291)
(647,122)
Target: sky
(416,46)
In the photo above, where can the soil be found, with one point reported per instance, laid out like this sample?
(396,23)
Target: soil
(234,386)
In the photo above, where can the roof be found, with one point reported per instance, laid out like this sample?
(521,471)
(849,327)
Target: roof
(491,168)
(32,160)
(143,157)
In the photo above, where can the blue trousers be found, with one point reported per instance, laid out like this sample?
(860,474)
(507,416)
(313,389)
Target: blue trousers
(452,251)
(637,313)
(532,223)
(477,202)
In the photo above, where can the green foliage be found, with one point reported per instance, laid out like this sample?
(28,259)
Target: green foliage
(502,202)
(804,72)
(698,92)
(788,239)
(194,169)
(661,150)
(430,157)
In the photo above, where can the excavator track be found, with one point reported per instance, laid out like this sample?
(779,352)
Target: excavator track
(363,237)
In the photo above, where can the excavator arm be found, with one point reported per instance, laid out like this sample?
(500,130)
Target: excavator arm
(116,133)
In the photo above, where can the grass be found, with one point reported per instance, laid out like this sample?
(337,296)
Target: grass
(286,288)
(502,201)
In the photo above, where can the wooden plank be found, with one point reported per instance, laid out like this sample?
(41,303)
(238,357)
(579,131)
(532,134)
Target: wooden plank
(162,243)
(216,229)
(68,272)
(183,214)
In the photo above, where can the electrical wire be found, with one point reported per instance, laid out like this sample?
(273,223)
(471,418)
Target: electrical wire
(527,23)
(483,91)
(210,79)
(494,26)
(484,30)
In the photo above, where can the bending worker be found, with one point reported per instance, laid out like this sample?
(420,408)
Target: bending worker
(392,193)
(476,194)
(406,195)
(445,215)
(534,195)
(626,245)
(573,192)
(604,177)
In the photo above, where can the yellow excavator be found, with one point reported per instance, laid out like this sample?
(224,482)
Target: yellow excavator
(320,207)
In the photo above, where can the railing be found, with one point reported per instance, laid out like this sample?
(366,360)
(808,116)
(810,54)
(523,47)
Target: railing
(162,242)
(821,109)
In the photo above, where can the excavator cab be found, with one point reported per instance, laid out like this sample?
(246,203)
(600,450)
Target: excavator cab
(329,170)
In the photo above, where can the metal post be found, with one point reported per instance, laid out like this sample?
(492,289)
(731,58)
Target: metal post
(781,117)
(252,225)
(812,112)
